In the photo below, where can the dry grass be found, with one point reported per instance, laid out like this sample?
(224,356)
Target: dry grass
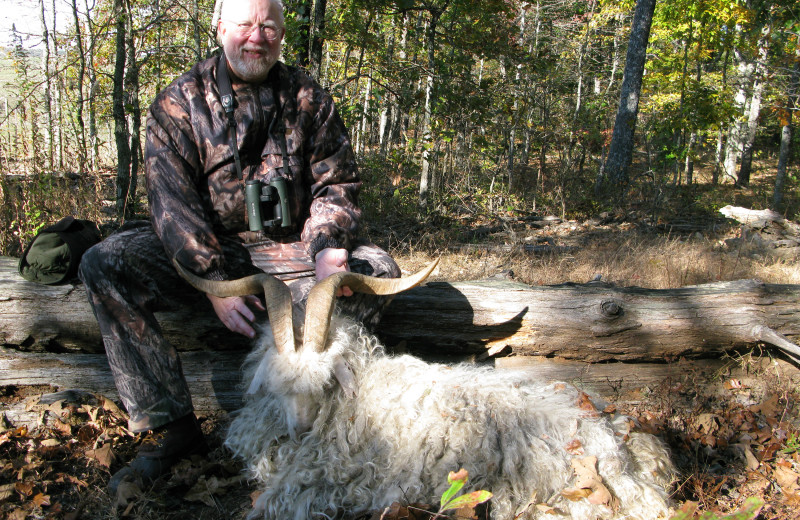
(622,256)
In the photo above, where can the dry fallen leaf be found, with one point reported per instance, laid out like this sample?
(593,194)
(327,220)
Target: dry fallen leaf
(750,458)
(466,513)
(769,408)
(24,488)
(576,494)
(585,403)
(6,491)
(60,426)
(103,455)
(786,479)
(127,493)
(707,422)
(589,480)
(734,384)
(69,479)
(574,447)
(206,487)
(41,500)
(18,514)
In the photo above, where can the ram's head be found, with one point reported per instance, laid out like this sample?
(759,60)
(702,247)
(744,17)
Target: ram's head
(299,404)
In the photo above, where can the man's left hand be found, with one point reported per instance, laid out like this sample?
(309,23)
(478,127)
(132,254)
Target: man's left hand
(330,261)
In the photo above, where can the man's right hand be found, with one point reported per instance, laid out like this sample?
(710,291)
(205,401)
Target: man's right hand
(234,312)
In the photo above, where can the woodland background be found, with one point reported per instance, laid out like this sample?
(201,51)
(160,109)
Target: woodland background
(455,107)
(487,135)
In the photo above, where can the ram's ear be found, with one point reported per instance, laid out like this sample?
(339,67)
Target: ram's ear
(345,376)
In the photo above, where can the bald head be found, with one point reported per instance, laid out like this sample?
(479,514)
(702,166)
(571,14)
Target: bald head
(232,8)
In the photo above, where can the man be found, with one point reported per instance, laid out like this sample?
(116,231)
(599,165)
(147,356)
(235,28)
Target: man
(284,126)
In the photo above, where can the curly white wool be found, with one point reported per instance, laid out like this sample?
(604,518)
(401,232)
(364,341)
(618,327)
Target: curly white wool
(413,422)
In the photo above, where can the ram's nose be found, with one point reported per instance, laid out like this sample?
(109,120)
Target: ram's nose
(302,413)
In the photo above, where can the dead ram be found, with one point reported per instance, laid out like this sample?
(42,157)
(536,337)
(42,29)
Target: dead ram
(395,426)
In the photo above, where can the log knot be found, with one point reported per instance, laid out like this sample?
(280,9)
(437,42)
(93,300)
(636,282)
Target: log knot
(611,309)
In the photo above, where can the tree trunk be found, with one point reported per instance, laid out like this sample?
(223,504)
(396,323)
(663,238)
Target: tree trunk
(426,181)
(567,333)
(786,133)
(82,149)
(733,144)
(317,40)
(121,134)
(197,30)
(48,93)
(587,31)
(620,152)
(132,90)
(754,111)
(94,147)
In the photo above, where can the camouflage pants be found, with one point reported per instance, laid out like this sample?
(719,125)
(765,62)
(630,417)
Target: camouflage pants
(128,277)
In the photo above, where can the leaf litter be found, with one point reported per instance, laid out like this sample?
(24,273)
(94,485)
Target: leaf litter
(729,448)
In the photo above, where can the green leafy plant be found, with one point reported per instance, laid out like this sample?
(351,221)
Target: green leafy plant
(449,500)
(749,511)
(791,445)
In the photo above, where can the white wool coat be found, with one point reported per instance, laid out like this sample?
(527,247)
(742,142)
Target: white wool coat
(413,422)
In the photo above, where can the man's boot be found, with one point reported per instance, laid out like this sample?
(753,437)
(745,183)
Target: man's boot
(161,449)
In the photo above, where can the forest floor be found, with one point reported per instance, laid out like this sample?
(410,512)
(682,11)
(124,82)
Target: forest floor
(729,447)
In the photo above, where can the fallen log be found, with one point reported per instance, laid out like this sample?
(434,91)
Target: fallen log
(591,322)
(766,229)
(50,336)
(29,380)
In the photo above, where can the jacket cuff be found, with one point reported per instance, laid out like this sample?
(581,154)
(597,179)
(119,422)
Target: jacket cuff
(321,242)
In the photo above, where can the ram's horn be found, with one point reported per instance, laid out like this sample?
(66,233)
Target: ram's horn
(276,294)
(321,298)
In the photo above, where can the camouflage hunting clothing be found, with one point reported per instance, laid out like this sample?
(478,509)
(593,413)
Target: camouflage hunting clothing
(194,193)
(198,217)
(128,278)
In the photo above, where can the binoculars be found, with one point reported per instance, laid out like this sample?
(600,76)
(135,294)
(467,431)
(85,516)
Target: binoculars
(268,200)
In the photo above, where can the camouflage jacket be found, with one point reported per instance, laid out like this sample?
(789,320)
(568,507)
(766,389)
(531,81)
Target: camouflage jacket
(193,190)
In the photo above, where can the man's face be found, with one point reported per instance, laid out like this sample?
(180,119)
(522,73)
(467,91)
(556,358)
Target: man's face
(251,32)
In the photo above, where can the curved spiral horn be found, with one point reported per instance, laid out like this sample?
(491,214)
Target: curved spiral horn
(276,294)
(319,307)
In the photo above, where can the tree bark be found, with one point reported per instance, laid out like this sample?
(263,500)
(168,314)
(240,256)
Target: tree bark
(317,40)
(749,137)
(786,132)
(593,322)
(620,152)
(215,378)
(121,133)
(94,147)
(81,131)
(132,100)
(586,334)
(427,137)
(48,94)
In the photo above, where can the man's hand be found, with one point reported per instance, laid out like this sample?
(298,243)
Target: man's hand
(235,313)
(330,261)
